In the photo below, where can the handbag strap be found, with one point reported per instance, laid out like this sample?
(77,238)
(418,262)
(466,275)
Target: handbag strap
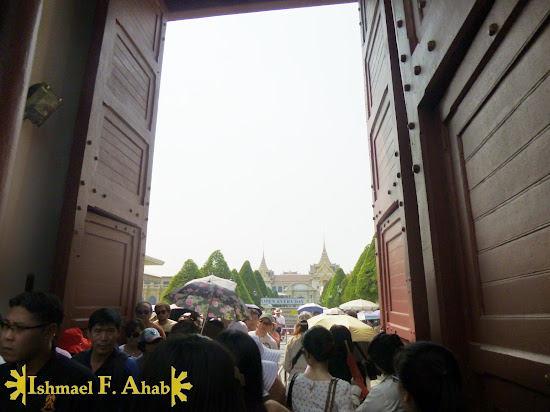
(289,395)
(331,395)
(295,358)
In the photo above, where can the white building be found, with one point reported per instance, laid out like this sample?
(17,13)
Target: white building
(294,285)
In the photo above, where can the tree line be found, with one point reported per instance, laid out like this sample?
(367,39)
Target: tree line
(361,283)
(251,287)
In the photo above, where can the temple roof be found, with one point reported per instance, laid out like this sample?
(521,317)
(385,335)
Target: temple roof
(263,266)
(324,257)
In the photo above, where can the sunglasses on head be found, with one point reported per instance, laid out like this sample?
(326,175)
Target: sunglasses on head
(142,312)
(161,312)
(133,335)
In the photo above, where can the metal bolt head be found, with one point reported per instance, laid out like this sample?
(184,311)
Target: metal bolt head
(493,28)
(82,182)
(396,154)
(394,184)
(416,168)
(398,175)
(417,70)
(411,126)
(400,23)
(389,192)
(407,87)
(403,58)
(431,45)
(94,190)
(104,196)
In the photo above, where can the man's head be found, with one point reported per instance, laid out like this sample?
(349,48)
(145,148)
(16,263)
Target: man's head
(162,309)
(149,339)
(144,311)
(252,323)
(30,326)
(103,329)
(278,312)
(265,325)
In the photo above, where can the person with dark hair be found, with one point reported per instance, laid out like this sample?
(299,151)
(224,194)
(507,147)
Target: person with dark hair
(26,344)
(210,370)
(162,309)
(429,378)
(132,330)
(385,395)
(265,326)
(104,358)
(148,343)
(212,328)
(337,366)
(316,390)
(294,359)
(255,313)
(249,362)
(186,325)
(143,311)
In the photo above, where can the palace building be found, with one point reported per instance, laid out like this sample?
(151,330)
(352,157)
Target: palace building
(295,285)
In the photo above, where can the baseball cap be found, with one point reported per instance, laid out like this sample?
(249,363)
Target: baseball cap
(266,316)
(149,335)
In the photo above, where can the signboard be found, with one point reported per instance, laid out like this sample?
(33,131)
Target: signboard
(284,301)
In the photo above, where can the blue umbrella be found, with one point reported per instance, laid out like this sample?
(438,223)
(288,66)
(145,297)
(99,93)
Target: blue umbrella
(310,307)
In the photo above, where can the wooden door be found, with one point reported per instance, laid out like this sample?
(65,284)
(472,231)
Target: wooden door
(101,245)
(399,256)
(496,113)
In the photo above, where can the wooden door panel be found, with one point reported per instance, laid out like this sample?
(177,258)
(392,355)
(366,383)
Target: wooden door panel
(500,143)
(112,156)
(401,279)
(106,266)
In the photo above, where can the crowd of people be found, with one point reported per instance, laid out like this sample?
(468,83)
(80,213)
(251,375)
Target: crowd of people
(213,364)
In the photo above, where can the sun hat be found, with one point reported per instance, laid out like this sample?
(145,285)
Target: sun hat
(278,310)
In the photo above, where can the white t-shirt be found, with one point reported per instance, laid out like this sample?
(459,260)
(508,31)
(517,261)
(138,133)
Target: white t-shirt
(383,397)
(280,320)
(267,340)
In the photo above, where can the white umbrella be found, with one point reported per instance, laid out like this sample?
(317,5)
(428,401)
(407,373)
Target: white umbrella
(333,311)
(358,305)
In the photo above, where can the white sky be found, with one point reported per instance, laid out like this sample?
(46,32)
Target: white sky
(261,142)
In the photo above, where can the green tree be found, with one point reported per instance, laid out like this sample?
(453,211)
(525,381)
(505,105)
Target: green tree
(216,265)
(367,282)
(335,291)
(188,271)
(249,280)
(241,290)
(260,281)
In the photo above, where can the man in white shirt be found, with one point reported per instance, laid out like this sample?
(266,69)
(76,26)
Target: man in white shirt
(265,325)
(280,320)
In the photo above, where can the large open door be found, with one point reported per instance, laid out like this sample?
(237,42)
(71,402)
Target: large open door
(496,114)
(399,254)
(102,238)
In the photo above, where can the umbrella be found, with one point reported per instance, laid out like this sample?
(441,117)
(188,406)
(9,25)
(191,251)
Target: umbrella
(212,296)
(358,305)
(359,331)
(310,307)
(333,311)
